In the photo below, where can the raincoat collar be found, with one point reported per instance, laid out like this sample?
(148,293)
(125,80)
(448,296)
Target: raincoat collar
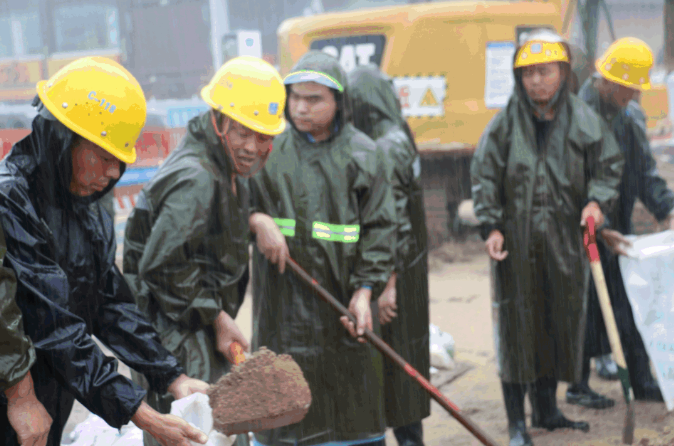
(202,128)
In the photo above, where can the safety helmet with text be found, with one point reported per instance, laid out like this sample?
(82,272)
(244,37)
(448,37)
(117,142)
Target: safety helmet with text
(251,92)
(101,101)
(627,62)
(540,46)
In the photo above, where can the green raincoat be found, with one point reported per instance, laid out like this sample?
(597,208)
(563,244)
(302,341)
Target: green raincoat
(533,192)
(377,113)
(186,251)
(16,349)
(333,202)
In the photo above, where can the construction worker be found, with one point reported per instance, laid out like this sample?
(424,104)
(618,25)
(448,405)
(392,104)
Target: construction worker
(403,306)
(26,415)
(327,188)
(542,167)
(61,246)
(186,241)
(622,73)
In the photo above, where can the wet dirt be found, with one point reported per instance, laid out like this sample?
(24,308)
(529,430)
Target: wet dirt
(264,387)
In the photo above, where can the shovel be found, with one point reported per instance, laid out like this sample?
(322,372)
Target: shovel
(256,425)
(590,241)
(386,350)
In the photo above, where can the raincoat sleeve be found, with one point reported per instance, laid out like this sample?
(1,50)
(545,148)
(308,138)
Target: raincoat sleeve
(378,227)
(605,164)
(60,337)
(399,165)
(653,190)
(16,349)
(183,280)
(487,170)
(126,331)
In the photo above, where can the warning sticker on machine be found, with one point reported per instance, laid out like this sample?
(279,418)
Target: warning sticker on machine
(421,96)
(499,80)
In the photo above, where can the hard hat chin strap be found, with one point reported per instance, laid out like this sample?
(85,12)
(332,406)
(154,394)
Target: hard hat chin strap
(224,139)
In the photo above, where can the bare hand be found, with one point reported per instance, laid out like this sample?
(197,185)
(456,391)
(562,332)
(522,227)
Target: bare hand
(26,414)
(226,333)
(168,430)
(615,241)
(271,243)
(592,210)
(387,302)
(494,245)
(360,308)
(185,386)
(670,222)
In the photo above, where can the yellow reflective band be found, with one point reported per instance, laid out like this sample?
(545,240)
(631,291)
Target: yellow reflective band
(286,225)
(336,233)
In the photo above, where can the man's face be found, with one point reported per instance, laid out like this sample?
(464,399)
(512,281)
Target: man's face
(617,94)
(248,147)
(93,168)
(312,107)
(541,81)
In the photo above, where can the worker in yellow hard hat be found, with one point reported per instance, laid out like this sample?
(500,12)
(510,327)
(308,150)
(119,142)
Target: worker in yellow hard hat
(61,246)
(186,241)
(623,71)
(542,167)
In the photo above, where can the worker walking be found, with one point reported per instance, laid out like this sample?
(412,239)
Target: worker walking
(186,241)
(403,306)
(542,167)
(328,190)
(61,247)
(26,415)
(622,73)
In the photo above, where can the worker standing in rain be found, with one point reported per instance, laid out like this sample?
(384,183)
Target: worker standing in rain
(403,306)
(186,241)
(61,246)
(542,167)
(622,72)
(26,415)
(328,190)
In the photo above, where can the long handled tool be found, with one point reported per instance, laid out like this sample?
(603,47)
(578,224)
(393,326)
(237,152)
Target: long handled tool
(590,241)
(391,354)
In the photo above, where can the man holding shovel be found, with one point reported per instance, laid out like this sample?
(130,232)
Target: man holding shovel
(623,72)
(542,167)
(327,188)
(186,241)
(403,306)
(61,247)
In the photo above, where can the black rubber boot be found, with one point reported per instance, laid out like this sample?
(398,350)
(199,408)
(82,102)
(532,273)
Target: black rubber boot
(410,435)
(545,412)
(580,394)
(513,397)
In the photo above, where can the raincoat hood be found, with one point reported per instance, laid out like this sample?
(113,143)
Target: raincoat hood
(373,101)
(46,153)
(324,63)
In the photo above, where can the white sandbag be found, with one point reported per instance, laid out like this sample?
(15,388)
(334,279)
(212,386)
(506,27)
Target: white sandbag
(648,275)
(196,410)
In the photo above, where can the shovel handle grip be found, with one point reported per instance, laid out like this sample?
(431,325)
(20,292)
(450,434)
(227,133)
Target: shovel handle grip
(237,353)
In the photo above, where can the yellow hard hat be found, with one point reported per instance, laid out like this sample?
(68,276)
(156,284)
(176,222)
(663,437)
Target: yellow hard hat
(627,62)
(541,46)
(101,101)
(251,92)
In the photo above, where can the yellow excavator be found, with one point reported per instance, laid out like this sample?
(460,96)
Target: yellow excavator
(451,66)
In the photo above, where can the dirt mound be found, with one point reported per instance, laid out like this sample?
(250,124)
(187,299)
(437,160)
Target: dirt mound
(260,393)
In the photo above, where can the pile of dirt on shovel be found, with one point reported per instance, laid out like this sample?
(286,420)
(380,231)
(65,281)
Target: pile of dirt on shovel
(264,386)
